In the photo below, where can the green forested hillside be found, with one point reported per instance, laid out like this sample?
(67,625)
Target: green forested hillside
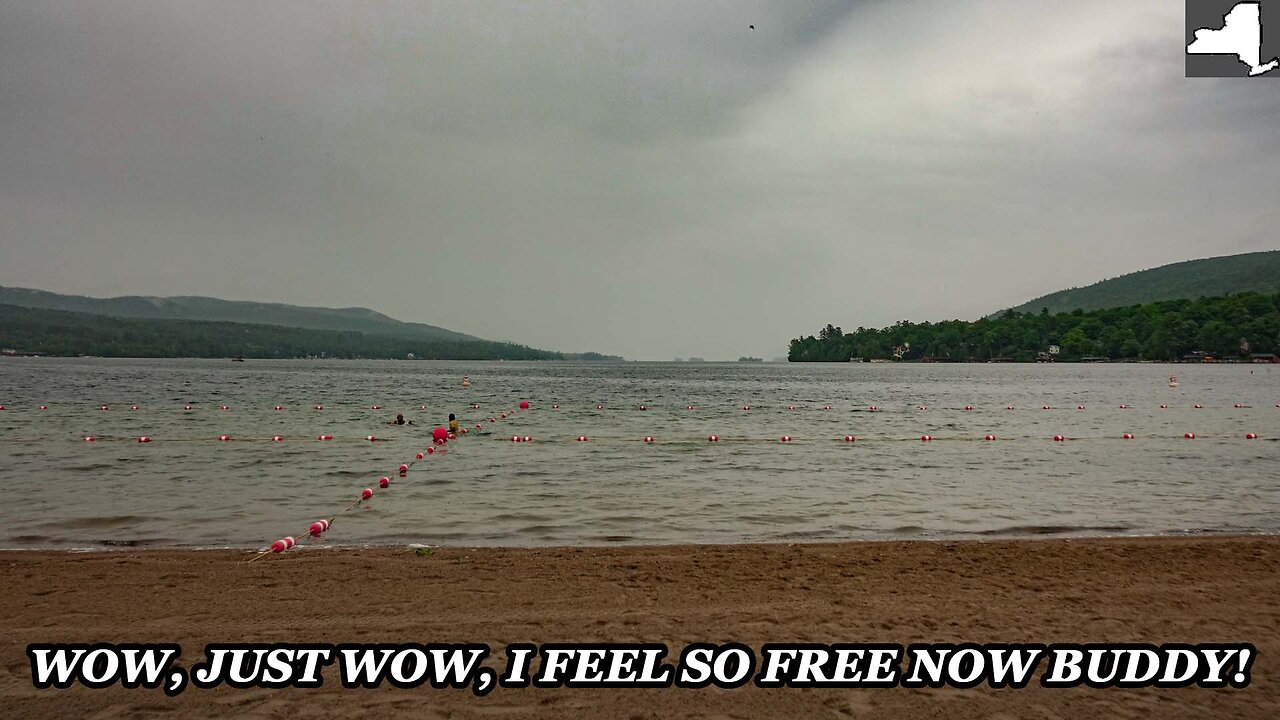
(57,332)
(1253,272)
(1222,326)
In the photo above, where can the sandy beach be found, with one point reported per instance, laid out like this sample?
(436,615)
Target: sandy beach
(1150,590)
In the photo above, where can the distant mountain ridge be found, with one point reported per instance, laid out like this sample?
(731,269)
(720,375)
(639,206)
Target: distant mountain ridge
(199,308)
(1211,277)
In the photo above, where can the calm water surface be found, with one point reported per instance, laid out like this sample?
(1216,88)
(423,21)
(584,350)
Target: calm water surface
(188,489)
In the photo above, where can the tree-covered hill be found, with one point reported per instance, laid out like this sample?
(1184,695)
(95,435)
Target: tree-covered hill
(358,319)
(1221,326)
(1211,277)
(57,332)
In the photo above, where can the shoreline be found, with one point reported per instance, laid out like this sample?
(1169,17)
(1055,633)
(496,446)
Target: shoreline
(342,547)
(1155,590)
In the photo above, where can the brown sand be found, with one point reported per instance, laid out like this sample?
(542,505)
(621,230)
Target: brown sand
(1129,590)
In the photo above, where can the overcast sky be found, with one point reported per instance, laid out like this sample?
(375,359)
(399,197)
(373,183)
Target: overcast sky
(651,179)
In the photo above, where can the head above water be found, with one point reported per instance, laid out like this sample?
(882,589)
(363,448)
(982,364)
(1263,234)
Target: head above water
(451,417)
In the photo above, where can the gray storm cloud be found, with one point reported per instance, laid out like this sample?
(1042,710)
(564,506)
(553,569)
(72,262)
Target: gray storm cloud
(647,179)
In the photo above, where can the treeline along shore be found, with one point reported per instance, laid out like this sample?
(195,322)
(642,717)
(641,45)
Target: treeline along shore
(1243,327)
(61,333)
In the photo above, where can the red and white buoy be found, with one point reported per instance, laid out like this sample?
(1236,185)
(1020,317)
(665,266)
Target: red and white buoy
(849,438)
(89,438)
(318,527)
(1189,436)
(926,438)
(786,438)
(144,439)
(1127,436)
(648,439)
(1251,436)
(283,544)
(384,481)
(582,438)
(1059,438)
(404,469)
(989,437)
(277,438)
(224,438)
(366,493)
(713,438)
(371,438)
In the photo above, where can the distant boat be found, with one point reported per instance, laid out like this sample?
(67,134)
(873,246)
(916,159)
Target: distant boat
(238,358)
(750,359)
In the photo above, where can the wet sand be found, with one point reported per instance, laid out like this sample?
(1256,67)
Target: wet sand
(1150,590)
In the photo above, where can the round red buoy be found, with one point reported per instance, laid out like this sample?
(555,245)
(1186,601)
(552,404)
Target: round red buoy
(1251,436)
(643,407)
(713,438)
(276,438)
(849,438)
(493,419)
(1163,406)
(582,438)
(826,407)
(279,546)
(1045,407)
(384,481)
(430,450)
(690,407)
(103,407)
(366,493)
(1008,407)
(375,407)
(318,527)
(439,441)
(88,438)
(418,456)
(224,438)
(279,407)
(451,436)
(371,438)
(648,439)
(439,434)
(989,437)
(746,407)
(1197,406)
(188,407)
(1,407)
(1079,407)
(786,438)
(319,407)
(44,407)
(515,438)
(403,468)
(131,407)
(922,407)
(791,407)
(524,404)
(478,426)
(1127,436)
(599,407)
(324,437)
(527,438)
(874,408)
(422,407)
(553,407)
(1123,406)
(503,416)
(1059,438)
(1189,436)
(474,406)
(968,407)
(926,438)
(144,439)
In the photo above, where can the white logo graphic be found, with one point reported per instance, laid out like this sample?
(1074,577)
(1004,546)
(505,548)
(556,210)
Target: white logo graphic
(1240,35)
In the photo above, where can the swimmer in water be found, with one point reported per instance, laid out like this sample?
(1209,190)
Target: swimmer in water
(400,420)
(466,381)
(453,424)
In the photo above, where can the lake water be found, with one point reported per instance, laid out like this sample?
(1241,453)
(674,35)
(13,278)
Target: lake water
(188,489)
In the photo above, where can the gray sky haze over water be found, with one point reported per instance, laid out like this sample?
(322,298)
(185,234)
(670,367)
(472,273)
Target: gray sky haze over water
(651,179)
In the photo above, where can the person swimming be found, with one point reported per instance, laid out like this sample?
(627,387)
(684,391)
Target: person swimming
(453,424)
(466,381)
(400,420)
